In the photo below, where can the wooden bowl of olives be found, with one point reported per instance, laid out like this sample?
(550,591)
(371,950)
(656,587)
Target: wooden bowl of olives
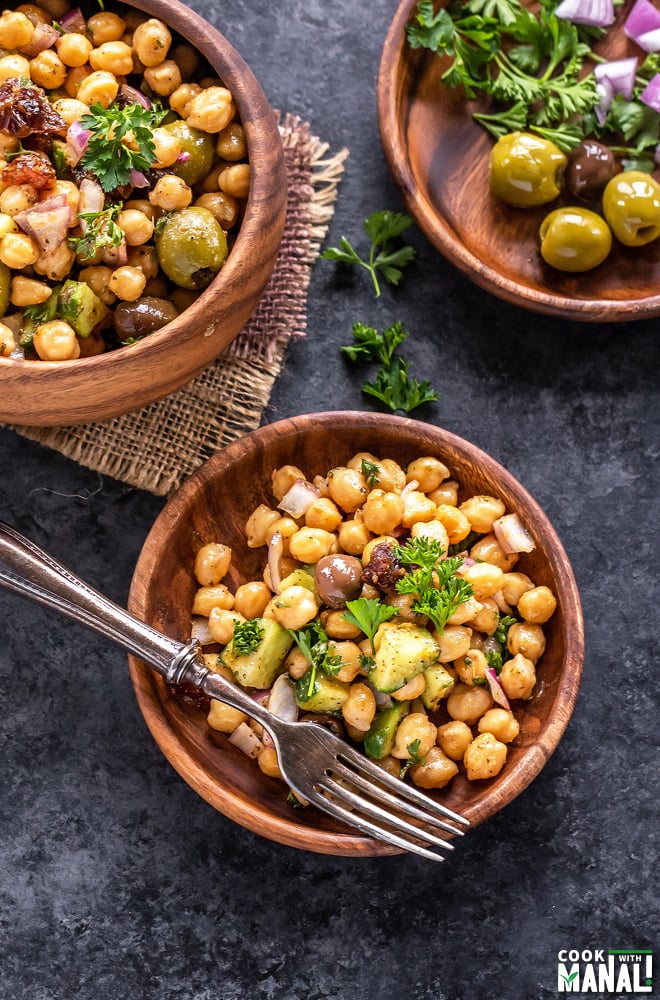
(143,204)
(440,157)
(220,505)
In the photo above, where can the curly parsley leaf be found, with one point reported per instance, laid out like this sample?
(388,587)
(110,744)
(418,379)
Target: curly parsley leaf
(371,472)
(436,588)
(108,154)
(368,614)
(393,385)
(385,256)
(414,757)
(101,232)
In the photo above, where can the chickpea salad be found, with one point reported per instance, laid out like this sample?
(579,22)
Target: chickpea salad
(389,609)
(123,178)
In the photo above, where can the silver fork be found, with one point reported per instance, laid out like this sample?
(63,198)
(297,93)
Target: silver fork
(320,768)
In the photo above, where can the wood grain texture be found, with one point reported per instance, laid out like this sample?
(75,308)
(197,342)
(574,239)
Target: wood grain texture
(215,504)
(439,158)
(43,393)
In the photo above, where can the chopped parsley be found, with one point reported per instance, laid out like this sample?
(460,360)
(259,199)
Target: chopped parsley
(247,636)
(317,648)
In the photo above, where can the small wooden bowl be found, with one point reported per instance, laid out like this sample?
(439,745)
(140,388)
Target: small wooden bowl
(214,505)
(439,157)
(92,389)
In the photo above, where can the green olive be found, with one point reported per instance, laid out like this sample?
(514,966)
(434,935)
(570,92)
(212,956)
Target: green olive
(574,239)
(5,283)
(631,205)
(191,247)
(526,169)
(197,148)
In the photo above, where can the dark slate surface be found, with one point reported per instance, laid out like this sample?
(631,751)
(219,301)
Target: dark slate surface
(117,881)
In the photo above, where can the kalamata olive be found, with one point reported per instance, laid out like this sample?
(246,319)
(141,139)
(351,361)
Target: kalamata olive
(192,247)
(139,318)
(590,166)
(338,579)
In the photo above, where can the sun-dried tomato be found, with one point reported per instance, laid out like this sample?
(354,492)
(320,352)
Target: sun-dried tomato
(26,110)
(383,569)
(30,168)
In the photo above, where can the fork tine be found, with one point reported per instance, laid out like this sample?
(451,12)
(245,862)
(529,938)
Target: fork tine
(339,811)
(401,789)
(375,811)
(396,801)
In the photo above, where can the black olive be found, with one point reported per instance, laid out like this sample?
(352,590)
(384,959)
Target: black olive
(590,166)
(139,318)
(338,579)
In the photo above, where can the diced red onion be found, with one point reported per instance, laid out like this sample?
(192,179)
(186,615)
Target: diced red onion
(298,498)
(201,632)
(597,13)
(43,37)
(282,702)
(650,41)
(73,22)
(656,158)
(246,740)
(91,198)
(512,535)
(620,73)
(651,93)
(134,95)
(643,20)
(138,179)
(47,222)
(502,605)
(496,688)
(383,700)
(275,553)
(77,138)
(605,92)
(183,157)
(410,487)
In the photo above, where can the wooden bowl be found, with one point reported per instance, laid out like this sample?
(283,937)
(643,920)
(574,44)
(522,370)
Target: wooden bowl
(215,503)
(92,389)
(439,158)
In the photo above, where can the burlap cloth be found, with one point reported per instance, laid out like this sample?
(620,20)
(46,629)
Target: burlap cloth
(158,447)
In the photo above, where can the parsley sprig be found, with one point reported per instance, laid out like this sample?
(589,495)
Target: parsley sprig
(368,614)
(393,384)
(121,141)
(101,232)
(434,584)
(386,255)
(317,648)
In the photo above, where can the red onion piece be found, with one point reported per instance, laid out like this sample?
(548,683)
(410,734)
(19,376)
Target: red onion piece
(138,179)
(496,688)
(597,13)
(643,19)
(246,740)
(73,22)
(77,138)
(134,95)
(650,41)
(651,93)
(275,553)
(298,498)
(91,198)
(200,631)
(620,73)
(512,535)
(47,222)
(43,37)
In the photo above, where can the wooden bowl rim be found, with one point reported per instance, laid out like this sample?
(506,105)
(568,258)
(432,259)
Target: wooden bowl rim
(240,808)
(440,232)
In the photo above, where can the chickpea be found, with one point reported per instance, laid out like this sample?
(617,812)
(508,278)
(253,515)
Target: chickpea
(294,607)
(217,596)
(413,727)
(286,527)
(138,227)
(413,689)
(353,536)
(17,251)
(56,341)
(526,638)
(427,472)
(105,27)
(268,763)
(296,663)
(485,757)
(212,563)
(151,41)
(235,180)
(446,493)
(47,70)
(282,479)
(482,511)
(28,292)
(351,658)
(7,225)
(223,718)
(487,618)
(97,278)
(14,66)
(55,8)
(308,545)
(465,612)
(484,579)
(55,264)
(518,677)
(382,511)
(347,488)
(186,58)
(501,723)
(98,87)
(391,476)
(434,531)
(251,599)
(16,30)
(34,13)
(471,666)
(323,513)
(127,283)
(435,771)
(170,193)
(115,57)
(220,205)
(489,550)
(537,605)
(336,626)
(467,704)
(17,197)
(222,622)
(359,708)
(390,765)
(73,49)
(454,642)
(163,79)
(417,508)
(7,340)
(454,738)
(258,523)
(514,586)
(231,144)
(167,149)
(454,520)
(211,110)
(145,258)
(180,99)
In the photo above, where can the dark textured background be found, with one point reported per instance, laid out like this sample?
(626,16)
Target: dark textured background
(117,881)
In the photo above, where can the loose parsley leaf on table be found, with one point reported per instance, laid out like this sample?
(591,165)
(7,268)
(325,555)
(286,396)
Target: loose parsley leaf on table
(393,384)
(382,228)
